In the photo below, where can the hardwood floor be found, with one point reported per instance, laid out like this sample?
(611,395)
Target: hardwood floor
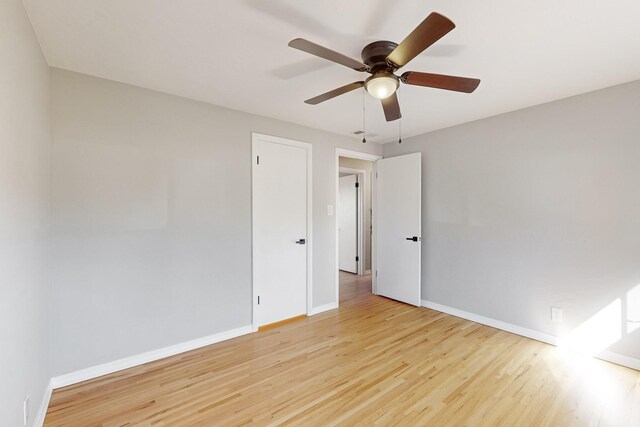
(372,362)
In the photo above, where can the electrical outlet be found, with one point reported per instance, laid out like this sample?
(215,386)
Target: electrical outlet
(25,410)
(556,314)
(330,210)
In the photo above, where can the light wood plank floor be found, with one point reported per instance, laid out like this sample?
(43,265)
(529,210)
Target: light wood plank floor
(372,362)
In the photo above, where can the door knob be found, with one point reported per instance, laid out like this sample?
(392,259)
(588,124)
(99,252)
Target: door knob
(414,238)
(301,241)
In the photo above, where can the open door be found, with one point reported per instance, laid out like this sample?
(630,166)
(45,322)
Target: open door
(348,219)
(399,220)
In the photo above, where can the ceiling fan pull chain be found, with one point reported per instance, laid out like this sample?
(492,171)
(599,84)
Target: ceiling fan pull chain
(364,121)
(399,126)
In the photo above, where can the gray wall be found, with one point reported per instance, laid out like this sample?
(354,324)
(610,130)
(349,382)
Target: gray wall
(367,166)
(152,218)
(537,208)
(24,209)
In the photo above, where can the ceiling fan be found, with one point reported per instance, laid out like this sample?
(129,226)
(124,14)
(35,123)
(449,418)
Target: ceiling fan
(382,59)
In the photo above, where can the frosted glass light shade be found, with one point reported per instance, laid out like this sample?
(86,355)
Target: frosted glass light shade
(381,86)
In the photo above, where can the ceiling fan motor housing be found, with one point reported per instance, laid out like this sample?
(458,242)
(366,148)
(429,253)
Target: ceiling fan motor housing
(374,55)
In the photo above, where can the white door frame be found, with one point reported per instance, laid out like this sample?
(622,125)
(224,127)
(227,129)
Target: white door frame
(341,152)
(360,203)
(309,243)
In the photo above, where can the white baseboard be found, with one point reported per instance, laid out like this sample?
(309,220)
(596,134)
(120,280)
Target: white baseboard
(44,405)
(609,356)
(323,308)
(129,362)
(518,330)
(620,359)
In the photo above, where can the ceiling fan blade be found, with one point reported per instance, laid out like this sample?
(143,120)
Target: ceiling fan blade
(333,93)
(432,29)
(323,52)
(391,108)
(440,81)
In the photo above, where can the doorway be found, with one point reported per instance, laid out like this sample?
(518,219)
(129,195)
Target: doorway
(281,220)
(354,221)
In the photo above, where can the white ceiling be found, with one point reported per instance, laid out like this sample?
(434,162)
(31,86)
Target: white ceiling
(235,54)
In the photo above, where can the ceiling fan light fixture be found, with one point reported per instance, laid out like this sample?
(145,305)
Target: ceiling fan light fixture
(383,58)
(382,85)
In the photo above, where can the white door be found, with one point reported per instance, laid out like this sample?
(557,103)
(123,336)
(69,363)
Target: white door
(348,228)
(279,230)
(399,223)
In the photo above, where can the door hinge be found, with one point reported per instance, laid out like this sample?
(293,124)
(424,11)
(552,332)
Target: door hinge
(258,299)
(257,160)
(357,184)
(376,175)
(376,273)
(357,258)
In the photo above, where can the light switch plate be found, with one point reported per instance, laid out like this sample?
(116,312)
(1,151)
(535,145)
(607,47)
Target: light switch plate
(556,314)
(330,210)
